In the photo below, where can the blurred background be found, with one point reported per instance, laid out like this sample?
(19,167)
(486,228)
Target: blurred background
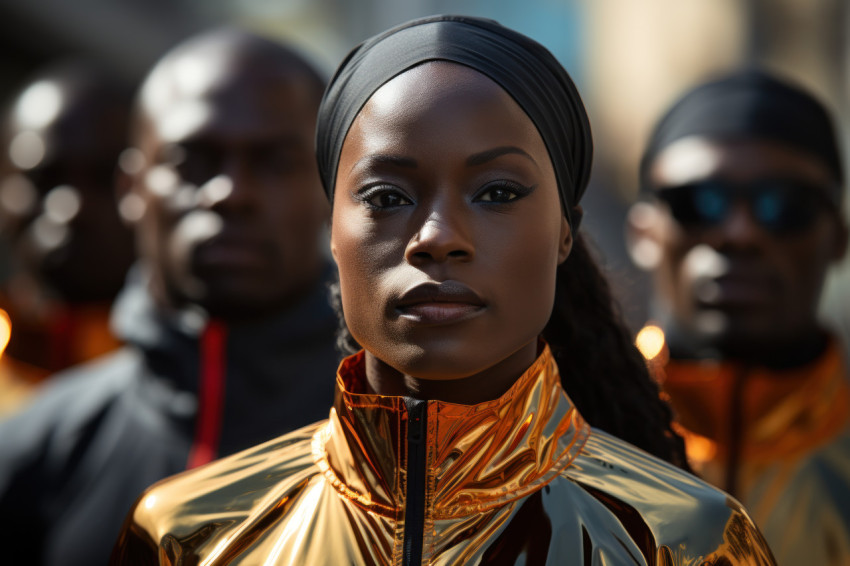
(630,59)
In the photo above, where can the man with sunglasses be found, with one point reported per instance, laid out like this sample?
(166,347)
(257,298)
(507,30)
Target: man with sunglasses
(741,224)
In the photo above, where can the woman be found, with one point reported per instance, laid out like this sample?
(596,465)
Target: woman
(454,152)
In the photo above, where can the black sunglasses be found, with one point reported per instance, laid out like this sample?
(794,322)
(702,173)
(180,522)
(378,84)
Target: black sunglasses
(781,206)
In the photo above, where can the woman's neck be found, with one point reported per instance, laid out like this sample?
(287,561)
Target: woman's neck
(486,385)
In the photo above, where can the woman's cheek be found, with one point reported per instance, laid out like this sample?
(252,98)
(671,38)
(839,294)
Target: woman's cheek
(534,272)
(360,285)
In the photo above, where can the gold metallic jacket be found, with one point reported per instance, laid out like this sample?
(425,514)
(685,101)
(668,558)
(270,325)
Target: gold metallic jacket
(777,440)
(386,480)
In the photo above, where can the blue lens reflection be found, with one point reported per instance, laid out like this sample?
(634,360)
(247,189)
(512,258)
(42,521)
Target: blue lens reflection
(711,203)
(768,208)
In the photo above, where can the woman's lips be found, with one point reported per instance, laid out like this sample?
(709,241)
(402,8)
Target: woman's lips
(439,303)
(439,313)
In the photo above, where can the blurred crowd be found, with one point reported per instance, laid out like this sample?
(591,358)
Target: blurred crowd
(167,296)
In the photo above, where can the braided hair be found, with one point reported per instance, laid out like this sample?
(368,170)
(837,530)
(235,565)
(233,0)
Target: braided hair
(601,370)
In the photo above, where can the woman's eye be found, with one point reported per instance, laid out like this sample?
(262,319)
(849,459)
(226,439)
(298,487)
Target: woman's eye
(384,198)
(502,193)
(497,195)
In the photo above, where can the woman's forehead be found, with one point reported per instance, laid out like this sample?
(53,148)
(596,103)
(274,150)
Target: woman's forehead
(443,95)
(434,80)
(446,110)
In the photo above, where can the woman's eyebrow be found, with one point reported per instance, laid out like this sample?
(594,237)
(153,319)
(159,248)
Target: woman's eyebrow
(490,154)
(377,160)
(388,159)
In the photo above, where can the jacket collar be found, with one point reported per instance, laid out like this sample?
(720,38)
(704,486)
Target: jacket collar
(138,320)
(478,456)
(169,339)
(781,412)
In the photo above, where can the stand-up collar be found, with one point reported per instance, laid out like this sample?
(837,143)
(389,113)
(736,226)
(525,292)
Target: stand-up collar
(782,412)
(478,456)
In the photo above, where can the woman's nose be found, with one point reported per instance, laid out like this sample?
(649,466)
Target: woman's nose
(442,237)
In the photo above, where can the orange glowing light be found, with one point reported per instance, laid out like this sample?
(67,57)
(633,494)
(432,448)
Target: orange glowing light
(650,341)
(5,330)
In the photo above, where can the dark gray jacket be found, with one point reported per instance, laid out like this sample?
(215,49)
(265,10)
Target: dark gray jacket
(73,461)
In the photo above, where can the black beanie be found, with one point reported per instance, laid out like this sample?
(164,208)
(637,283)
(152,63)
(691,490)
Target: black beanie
(754,104)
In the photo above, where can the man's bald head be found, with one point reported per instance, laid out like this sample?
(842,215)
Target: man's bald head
(213,67)
(225,197)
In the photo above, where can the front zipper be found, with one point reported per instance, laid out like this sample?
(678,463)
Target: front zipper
(414,511)
(736,431)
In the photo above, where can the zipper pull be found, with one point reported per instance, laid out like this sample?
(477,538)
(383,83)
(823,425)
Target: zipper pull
(415,419)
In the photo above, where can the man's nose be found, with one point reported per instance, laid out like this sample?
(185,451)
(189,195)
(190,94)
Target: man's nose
(231,188)
(740,228)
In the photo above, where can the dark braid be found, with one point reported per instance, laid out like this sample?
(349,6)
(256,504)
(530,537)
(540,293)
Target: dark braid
(602,371)
(345,342)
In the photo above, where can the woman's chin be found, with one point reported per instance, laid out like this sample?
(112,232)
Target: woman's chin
(434,367)
(445,361)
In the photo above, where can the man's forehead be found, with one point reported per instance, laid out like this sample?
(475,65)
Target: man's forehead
(684,161)
(229,102)
(737,159)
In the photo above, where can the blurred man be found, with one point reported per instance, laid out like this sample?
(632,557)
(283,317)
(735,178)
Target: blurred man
(230,334)
(746,182)
(68,250)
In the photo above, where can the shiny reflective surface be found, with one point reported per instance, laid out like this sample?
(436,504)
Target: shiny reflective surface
(518,480)
(785,454)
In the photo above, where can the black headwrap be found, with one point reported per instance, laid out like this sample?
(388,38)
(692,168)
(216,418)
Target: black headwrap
(524,68)
(751,104)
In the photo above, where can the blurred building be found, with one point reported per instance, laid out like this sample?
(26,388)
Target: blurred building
(630,60)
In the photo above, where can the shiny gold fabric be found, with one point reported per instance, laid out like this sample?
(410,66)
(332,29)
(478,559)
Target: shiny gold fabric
(785,454)
(519,480)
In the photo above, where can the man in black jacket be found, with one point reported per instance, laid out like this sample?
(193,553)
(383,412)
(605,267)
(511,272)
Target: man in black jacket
(229,331)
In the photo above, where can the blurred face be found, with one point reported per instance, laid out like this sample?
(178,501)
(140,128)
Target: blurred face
(447,227)
(57,204)
(229,206)
(746,234)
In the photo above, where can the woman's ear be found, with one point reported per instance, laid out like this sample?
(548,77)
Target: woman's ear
(333,248)
(566,240)
(641,233)
(332,241)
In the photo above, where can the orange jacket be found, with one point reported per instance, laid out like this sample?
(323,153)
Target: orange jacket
(777,440)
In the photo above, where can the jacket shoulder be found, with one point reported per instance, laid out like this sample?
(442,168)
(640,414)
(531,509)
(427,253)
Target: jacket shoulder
(69,403)
(201,504)
(687,519)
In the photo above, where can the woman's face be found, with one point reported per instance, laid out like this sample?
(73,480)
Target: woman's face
(447,226)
